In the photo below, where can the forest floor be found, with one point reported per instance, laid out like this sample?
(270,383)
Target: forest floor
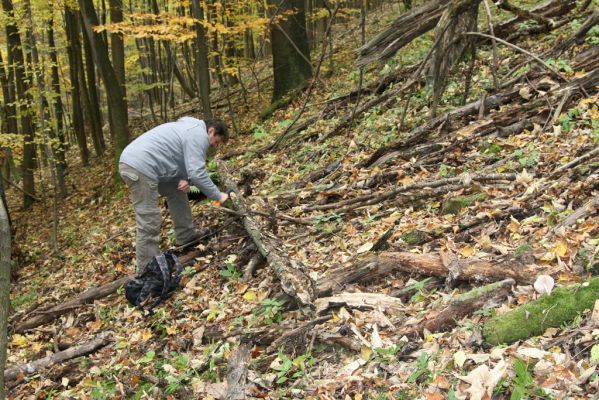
(482,185)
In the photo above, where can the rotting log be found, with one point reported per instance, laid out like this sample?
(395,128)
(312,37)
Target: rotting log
(99,341)
(237,373)
(549,311)
(431,264)
(291,273)
(462,306)
(43,316)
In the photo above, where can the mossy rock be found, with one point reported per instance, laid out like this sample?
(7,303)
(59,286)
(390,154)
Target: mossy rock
(549,311)
(415,237)
(455,204)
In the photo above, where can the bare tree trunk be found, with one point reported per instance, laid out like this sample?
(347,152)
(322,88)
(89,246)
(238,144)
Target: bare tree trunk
(16,60)
(5,244)
(116,100)
(73,49)
(94,103)
(57,131)
(202,66)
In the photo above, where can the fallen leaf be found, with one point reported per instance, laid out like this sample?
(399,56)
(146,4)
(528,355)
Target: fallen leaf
(531,352)
(544,284)
(18,340)
(365,247)
(459,358)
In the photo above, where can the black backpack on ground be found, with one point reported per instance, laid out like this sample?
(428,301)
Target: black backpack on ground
(155,283)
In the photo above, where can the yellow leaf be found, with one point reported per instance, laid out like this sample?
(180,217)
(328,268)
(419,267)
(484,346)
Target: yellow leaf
(171,330)
(146,335)
(560,248)
(250,295)
(514,225)
(467,251)
(18,340)
(365,353)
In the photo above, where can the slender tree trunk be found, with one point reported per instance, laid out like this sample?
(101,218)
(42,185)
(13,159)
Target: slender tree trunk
(57,131)
(16,60)
(73,50)
(116,43)
(290,51)
(116,100)
(5,244)
(202,66)
(8,118)
(95,113)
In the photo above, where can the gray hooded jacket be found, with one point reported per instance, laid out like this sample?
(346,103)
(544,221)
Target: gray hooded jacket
(173,151)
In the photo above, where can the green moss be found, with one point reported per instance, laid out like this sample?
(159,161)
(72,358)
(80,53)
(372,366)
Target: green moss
(415,237)
(561,306)
(455,204)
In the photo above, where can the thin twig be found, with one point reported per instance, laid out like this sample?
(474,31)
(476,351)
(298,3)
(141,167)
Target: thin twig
(520,49)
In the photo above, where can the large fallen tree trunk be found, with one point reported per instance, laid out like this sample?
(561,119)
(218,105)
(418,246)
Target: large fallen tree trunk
(99,341)
(237,373)
(291,273)
(461,306)
(42,316)
(552,310)
(471,269)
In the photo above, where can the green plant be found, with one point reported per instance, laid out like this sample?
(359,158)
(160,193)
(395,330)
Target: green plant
(561,65)
(231,272)
(446,171)
(269,311)
(567,119)
(526,160)
(328,218)
(524,384)
(292,369)
(189,271)
(422,372)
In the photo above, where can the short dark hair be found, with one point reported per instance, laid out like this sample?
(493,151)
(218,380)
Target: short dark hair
(220,128)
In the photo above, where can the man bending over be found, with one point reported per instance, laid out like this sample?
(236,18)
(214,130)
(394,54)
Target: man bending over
(163,161)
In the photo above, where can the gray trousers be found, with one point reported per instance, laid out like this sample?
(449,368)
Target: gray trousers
(144,193)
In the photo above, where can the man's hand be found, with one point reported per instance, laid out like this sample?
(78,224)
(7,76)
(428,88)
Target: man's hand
(223,198)
(183,186)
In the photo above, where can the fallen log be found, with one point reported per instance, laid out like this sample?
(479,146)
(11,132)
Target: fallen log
(291,273)
(99,341)
(237,373)
(43,316)
(551,310)
(431,264)
(462,306)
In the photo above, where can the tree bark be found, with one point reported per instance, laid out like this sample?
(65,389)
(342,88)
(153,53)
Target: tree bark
(202,66)
(22,84)
(292,273)
(95,114)
(96,343)
(74,50)
(471,269)
(116,98)
(290,50)
(57,131)
(237,373)
(5,250)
